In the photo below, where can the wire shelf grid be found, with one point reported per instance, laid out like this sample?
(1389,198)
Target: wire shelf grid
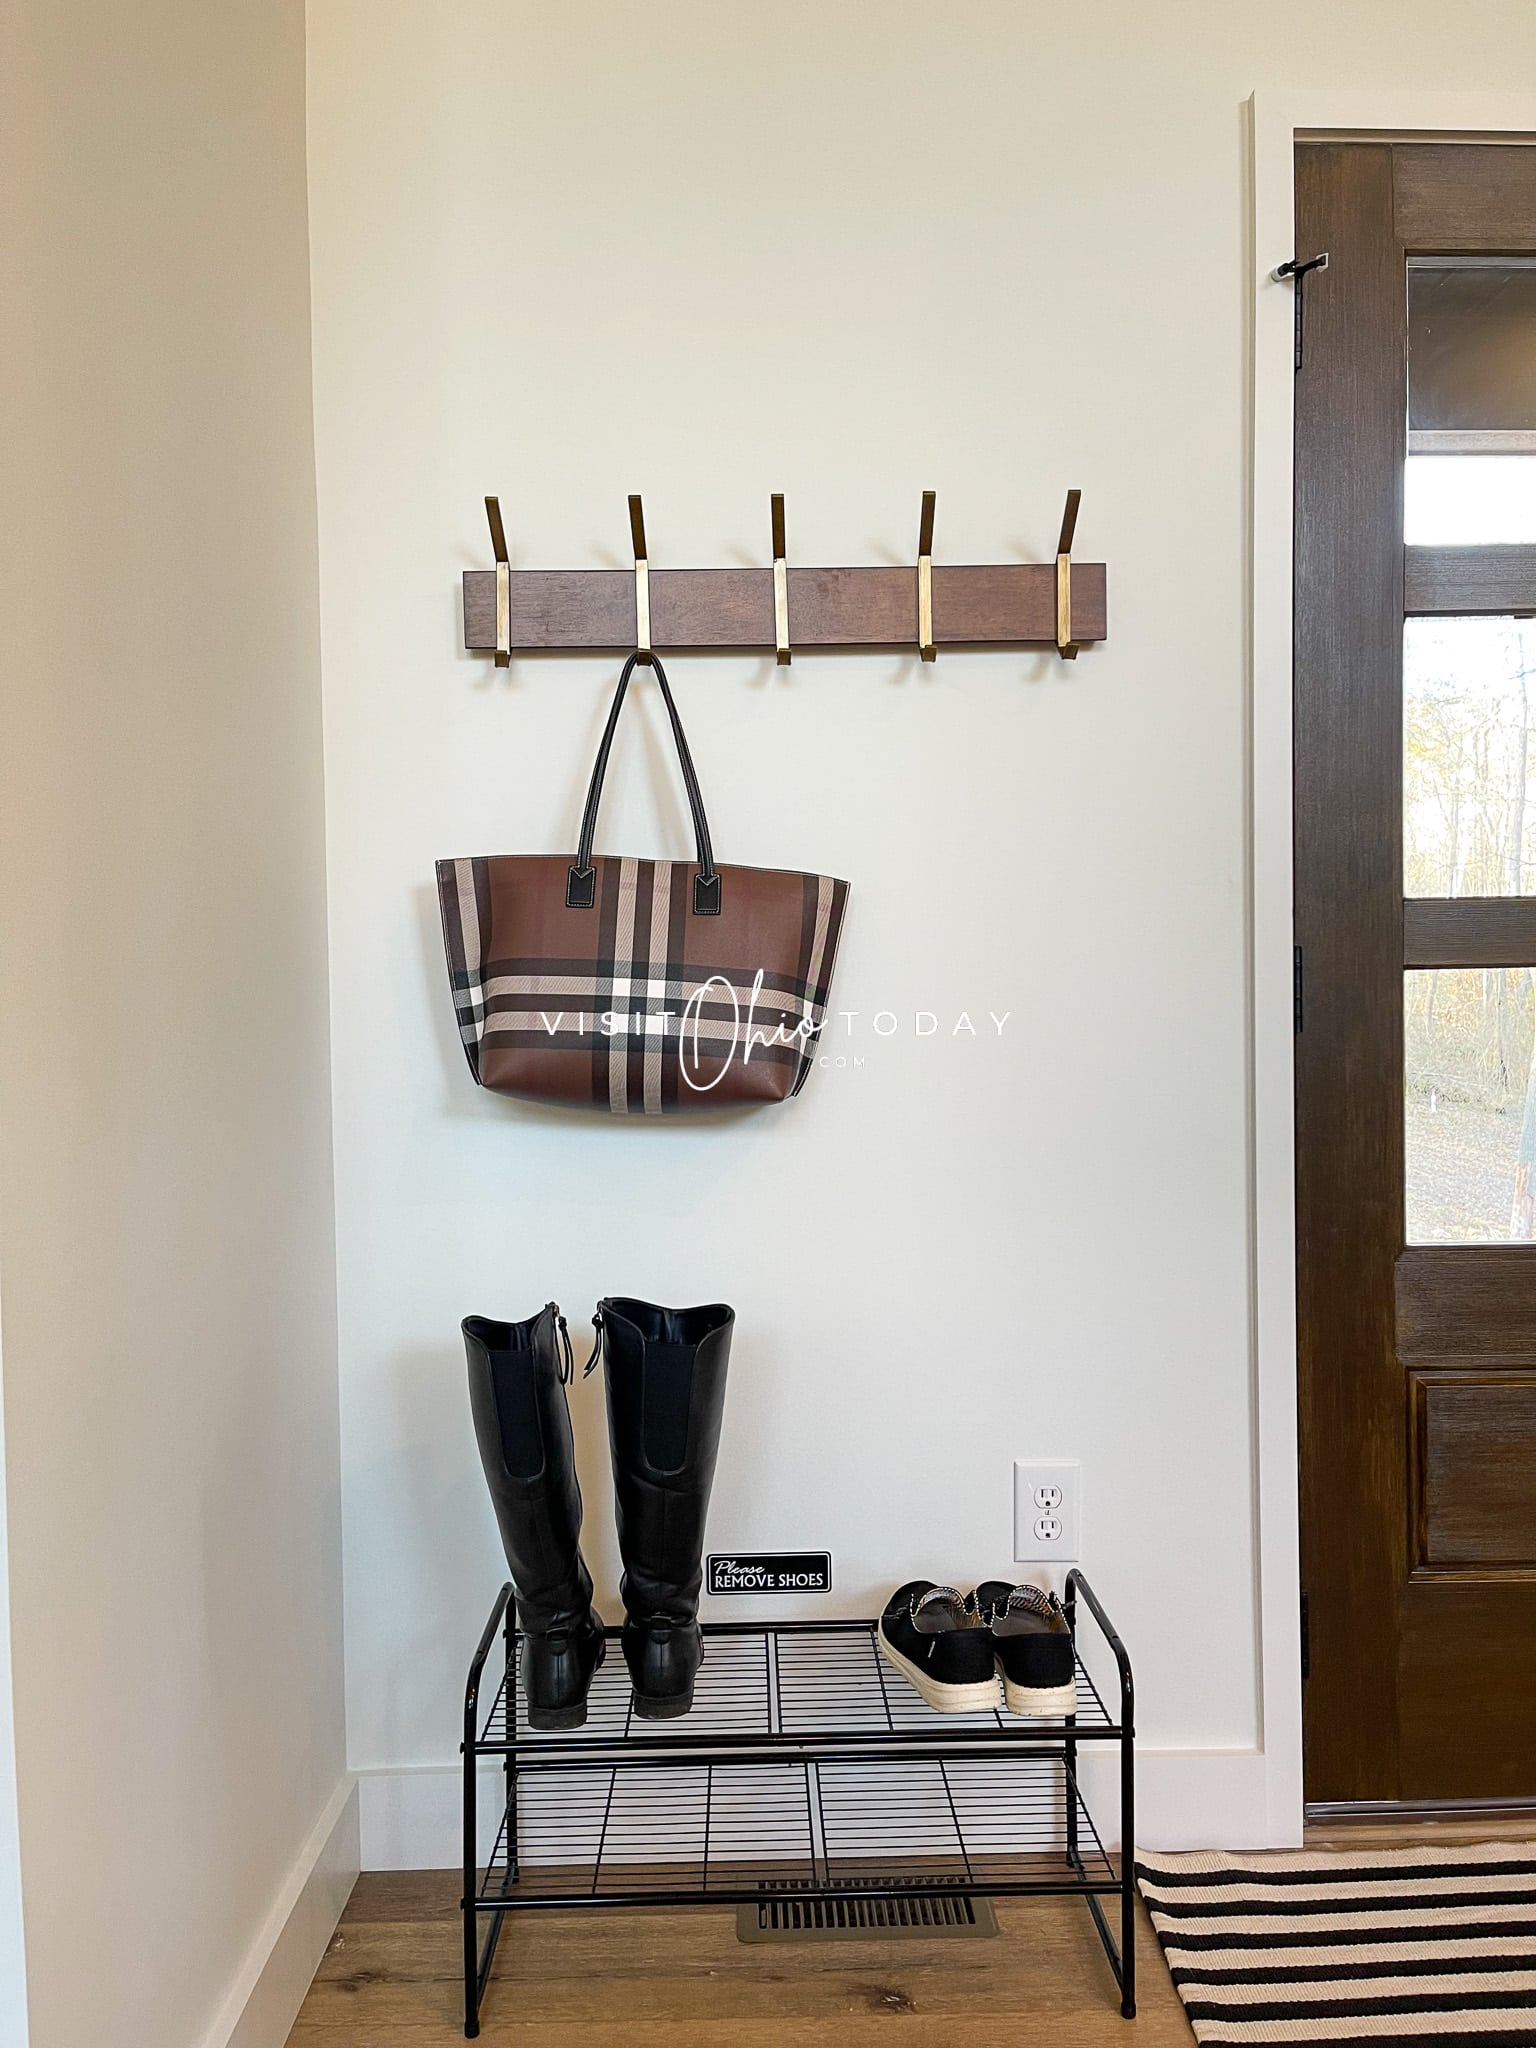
(626,1833)
(801,1684)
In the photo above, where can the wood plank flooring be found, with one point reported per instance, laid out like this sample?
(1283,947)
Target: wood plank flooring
(663,1979)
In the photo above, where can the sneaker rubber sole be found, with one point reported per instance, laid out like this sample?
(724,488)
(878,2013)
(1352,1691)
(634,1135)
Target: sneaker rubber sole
(1040,1699)
(980,1697)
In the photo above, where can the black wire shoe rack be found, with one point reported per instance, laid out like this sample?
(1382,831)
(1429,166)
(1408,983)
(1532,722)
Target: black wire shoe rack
(807,1768)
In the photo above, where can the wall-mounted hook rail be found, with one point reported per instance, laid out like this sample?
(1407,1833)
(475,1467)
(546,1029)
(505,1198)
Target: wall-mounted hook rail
(1058,604)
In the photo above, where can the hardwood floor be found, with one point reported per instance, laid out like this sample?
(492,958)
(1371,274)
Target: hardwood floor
(664,1979)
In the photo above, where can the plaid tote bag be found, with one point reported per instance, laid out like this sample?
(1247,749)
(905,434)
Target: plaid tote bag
(639,986)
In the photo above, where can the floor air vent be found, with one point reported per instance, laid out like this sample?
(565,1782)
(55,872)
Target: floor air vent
(892,1916)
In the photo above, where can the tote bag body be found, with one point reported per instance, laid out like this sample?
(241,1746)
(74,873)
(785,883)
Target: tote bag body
(637,986)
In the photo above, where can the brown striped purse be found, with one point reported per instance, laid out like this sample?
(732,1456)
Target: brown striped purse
(643,987)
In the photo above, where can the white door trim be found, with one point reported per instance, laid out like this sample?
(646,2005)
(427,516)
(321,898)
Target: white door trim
(1276,120)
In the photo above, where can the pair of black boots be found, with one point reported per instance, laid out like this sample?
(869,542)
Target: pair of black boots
(665,1374)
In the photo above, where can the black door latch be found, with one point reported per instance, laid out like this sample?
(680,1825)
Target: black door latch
(1297,271)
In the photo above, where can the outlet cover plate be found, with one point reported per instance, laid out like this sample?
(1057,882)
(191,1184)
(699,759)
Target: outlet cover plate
(1047,1498)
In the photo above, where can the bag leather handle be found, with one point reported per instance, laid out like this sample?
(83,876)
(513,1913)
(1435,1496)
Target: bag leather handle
(581,882)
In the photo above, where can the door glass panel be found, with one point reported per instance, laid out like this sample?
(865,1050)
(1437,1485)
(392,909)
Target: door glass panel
(1469,1109)
(1461,501)
(1469,757)
(1471,402)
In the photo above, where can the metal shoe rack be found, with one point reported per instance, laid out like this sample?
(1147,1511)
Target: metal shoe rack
(807,1768)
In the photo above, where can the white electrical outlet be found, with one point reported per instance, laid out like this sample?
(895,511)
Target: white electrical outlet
(1047,1511)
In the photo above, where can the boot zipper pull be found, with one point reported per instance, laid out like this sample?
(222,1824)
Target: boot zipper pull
(597,1348)
(567,1362)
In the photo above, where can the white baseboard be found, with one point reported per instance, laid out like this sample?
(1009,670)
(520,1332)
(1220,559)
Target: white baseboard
(264,1999)
(1186,1799)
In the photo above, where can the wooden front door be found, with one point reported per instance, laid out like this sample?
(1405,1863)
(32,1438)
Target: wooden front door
(1415,675)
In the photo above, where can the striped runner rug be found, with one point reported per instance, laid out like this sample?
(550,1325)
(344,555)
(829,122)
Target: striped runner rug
(1416,1946)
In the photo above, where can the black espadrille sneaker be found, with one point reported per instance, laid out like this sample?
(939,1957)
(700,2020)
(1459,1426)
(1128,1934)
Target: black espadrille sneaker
(940,1643)
(1033,1643)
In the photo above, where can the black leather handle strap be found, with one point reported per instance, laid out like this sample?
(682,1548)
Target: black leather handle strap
(581,883)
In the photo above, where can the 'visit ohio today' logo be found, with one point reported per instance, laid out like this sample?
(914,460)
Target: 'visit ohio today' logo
(771,1571)
(721,1023)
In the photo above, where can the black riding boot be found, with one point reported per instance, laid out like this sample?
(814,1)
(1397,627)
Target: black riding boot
(665,1370)
(517,1376)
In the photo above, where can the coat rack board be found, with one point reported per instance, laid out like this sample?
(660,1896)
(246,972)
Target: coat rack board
(1058,604)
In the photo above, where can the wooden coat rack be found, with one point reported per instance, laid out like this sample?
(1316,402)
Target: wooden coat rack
(511,611)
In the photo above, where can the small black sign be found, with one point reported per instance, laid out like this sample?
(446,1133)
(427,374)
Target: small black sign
(771,1571)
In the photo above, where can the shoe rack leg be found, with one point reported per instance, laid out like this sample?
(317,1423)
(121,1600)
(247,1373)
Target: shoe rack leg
(471,1926)
(1127,1873)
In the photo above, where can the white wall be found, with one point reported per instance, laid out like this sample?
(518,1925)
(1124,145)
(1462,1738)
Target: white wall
(847,253)
(166,1204)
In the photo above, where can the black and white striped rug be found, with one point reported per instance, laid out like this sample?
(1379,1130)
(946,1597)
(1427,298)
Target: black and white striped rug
(1415,1946)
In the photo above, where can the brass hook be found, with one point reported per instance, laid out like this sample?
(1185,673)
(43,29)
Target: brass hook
(925,646)
(503,584)
(780,582)
(642,580)
(1066,647)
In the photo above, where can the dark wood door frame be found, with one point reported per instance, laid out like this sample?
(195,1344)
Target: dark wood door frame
(1370,1311)
(1348,579)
